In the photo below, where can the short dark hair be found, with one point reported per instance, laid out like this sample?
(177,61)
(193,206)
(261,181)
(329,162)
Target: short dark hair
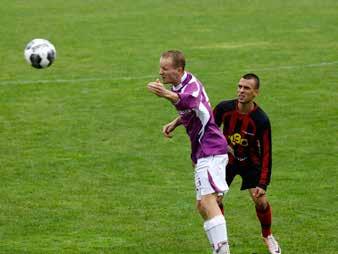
(177,57)
(252,76)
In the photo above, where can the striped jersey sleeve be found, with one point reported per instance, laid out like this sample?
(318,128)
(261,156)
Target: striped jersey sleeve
(265,146)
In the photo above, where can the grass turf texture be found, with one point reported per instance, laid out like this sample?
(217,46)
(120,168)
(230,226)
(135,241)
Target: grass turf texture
(84,167)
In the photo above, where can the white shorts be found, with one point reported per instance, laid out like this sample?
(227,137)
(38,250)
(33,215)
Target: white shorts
(210,175)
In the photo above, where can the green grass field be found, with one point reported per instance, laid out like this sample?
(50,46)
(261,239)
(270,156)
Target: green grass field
(84,166)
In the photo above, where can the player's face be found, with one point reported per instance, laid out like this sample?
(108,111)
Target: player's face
(168,72)
(246,90)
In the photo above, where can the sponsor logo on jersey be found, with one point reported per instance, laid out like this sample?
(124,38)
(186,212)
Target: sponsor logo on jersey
(237,139)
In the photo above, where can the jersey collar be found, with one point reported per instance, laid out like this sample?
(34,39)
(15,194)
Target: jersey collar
(184,80)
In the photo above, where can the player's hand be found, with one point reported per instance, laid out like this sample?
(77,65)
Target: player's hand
(168,129)
(157,88)
(259,192)
(231,151)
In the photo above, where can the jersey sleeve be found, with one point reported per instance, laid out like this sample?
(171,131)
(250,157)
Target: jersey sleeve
(190,98)
(266,154)
(218,114)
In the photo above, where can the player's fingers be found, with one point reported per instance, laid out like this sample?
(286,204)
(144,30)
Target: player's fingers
(154,86)
(260,194)
(150,89)
(154,89)
(164,129)
(256,193)
(167,134)
(150,86)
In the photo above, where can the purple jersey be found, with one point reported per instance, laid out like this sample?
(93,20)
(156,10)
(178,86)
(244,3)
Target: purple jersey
(197,117)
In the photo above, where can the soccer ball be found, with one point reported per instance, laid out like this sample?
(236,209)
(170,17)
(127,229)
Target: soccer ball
(40,53)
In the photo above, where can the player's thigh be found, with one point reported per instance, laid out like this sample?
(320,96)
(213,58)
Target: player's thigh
(210,175)
(208,200)
(250,178)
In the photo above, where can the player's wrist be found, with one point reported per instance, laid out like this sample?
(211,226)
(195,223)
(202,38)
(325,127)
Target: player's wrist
(173,97)
(178,121)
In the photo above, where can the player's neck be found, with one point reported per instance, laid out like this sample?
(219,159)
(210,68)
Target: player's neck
(245,108)
(181,77)
(176,83)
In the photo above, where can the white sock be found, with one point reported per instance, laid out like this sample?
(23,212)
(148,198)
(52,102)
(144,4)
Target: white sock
(215,228)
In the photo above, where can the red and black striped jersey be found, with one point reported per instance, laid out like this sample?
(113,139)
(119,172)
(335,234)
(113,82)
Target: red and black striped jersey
(249,135)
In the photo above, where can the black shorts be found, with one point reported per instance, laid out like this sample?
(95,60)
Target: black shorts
(250,176)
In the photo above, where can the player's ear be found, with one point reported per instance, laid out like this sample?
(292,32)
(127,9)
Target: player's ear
(180,69)
(256,92)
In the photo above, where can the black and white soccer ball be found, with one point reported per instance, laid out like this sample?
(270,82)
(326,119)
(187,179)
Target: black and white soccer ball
(40,53)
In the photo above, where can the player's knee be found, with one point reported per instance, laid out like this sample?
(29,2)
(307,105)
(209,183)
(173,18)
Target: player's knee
(202,206)
(201,210)
(198,205)
(261,204)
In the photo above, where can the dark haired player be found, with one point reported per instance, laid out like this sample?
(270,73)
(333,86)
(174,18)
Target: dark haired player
(247,130)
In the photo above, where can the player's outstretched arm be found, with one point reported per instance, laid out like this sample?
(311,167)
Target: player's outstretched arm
(170,127)
(159,89)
